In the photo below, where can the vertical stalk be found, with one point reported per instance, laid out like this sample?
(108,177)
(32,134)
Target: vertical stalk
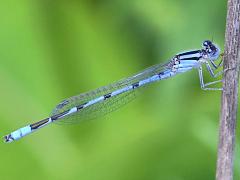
(230,93)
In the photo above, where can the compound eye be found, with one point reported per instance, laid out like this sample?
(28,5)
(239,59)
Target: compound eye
(207,43)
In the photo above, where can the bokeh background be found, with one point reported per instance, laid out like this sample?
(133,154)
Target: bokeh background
(51,50)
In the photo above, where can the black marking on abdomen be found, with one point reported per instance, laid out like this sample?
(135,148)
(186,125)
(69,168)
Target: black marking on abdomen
(8,138)
(57,116)
(107,96)
(39,123)
(160,75)
(81,106)
(135,85)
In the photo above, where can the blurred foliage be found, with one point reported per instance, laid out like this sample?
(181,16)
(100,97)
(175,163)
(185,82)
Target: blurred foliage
(51,50)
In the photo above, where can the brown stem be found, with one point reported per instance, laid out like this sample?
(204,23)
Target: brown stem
(230,93)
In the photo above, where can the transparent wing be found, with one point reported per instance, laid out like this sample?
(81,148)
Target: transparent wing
(98,109)
(105,106)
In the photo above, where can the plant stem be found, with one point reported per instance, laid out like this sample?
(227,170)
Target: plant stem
(230,93)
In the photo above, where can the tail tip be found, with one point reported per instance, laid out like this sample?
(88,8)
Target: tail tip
(8,138)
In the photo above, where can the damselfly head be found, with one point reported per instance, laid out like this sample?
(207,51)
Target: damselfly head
(211,50)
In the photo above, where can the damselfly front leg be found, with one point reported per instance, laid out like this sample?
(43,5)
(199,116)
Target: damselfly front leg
(220,63)
(211,71)
(217,66)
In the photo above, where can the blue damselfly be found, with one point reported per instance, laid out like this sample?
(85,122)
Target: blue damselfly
(105,99)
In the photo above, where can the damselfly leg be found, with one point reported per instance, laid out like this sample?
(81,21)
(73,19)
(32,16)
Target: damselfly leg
(211,71)
(204,86)
(217,66)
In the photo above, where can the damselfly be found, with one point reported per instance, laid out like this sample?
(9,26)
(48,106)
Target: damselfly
(105,99)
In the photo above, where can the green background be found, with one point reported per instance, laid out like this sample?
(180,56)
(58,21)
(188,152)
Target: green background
(51,50)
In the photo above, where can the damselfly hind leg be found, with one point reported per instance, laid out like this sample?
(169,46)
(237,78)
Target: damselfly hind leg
(204,86)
